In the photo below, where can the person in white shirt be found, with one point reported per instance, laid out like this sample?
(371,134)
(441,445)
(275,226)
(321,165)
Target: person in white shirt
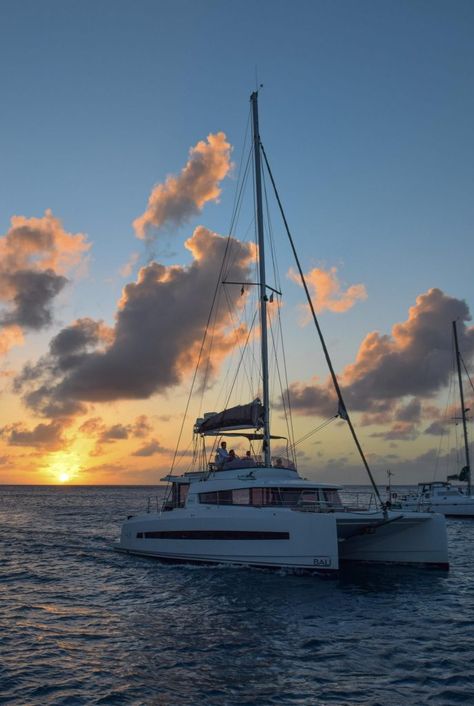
(222,454)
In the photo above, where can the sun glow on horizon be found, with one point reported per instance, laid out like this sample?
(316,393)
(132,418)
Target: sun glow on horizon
(64,466)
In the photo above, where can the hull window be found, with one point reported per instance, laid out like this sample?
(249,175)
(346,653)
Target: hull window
(212,534)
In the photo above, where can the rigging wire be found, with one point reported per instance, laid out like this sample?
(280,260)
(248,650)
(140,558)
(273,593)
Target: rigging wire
(237,208)
(466,371)
(286,402)
(449,399)
(214,298)
(241,347)
(342,407)
(321,426)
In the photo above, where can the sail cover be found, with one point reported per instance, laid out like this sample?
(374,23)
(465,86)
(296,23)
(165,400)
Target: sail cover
(245,416)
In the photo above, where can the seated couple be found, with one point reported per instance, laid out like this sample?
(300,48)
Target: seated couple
(229,459)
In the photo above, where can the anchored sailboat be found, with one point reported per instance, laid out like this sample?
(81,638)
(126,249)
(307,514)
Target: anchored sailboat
(443,496)
(258,511)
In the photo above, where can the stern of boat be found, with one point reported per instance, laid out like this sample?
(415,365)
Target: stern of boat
(404,538)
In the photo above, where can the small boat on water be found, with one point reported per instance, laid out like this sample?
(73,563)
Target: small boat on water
(442,496)
(258,511)
(438,496)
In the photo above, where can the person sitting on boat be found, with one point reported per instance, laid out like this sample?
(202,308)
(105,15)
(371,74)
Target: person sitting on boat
(233,460)
(247,460)
(222,454)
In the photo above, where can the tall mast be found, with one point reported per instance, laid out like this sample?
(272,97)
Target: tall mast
(463,408)
(263,286)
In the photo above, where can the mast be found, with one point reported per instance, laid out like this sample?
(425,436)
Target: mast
(263,288)
(463,408)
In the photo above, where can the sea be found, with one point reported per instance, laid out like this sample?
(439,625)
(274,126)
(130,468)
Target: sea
(83,624)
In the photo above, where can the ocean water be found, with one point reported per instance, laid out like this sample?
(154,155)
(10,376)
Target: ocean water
(83,624)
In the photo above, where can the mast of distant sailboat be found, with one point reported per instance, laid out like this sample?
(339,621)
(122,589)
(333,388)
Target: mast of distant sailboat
(463,409)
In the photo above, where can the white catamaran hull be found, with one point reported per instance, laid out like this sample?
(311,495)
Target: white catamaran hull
(417,539)
(288,539)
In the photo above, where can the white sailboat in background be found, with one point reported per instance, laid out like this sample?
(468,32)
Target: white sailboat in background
(443,496)
(258,511)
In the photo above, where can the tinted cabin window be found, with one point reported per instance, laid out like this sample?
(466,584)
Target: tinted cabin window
(241,496)
(219,497)
(331,496)
(279,497)
(256,495)
(209,498)
(179,493)
(183,494)
(265,496)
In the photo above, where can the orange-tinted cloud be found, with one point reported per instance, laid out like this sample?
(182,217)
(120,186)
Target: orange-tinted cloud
(326,291)
(414,361)
(183,196)
(127,269)
(159,327)
(10,336)
(41,244)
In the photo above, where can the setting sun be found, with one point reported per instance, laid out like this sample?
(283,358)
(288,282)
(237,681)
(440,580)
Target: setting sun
(63,466)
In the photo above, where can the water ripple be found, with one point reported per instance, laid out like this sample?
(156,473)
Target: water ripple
(81,624)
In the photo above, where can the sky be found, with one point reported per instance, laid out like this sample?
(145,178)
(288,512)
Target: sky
(123,126)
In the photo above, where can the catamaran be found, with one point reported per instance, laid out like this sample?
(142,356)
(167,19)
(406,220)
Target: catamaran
(258,511)
(443,496)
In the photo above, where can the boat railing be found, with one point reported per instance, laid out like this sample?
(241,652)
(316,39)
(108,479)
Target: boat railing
(359,500)
(251,462)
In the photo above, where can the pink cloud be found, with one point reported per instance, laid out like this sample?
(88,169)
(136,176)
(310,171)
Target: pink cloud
(183,196)
(326,291)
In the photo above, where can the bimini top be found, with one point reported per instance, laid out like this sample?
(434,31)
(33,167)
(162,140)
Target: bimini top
(245,416)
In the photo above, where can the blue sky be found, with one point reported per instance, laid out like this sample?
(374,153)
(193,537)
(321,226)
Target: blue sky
(366,111)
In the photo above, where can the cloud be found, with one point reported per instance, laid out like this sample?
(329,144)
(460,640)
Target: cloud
(35,254)
(400,431)
(159,326)
(117,432)
(415,360)
(96,428)
(313,398)
(409,412)
(436,428)
(47,436)
(127,269)
(326,291)
(141,427)
(184,196)
(153,447)
(405,470)
(10,336)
